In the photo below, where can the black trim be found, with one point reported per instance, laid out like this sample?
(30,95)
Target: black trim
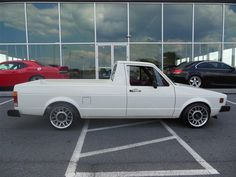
(225,109)
(13,113)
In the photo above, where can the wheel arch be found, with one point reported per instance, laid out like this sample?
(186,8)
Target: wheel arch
(61,100)
(40,75)
(194,101)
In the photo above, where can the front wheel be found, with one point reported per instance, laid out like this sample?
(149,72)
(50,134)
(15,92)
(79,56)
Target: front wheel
(196,115)
(195,81)
(61,115)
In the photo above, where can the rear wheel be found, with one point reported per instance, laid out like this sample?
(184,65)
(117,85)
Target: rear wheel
(33,78)
(61,115)
(195,81)
(196,115)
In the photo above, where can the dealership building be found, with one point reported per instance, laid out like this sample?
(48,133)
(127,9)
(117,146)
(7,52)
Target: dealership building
(92,35)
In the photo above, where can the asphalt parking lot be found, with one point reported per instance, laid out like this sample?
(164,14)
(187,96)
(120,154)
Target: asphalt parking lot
(29,147)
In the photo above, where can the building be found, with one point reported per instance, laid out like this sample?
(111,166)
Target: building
(91,35)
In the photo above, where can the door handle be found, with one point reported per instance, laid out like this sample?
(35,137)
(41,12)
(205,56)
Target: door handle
(135,90)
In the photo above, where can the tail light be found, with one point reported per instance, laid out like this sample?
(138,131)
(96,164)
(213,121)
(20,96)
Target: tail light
(15,98)
(177,71)
(63,69)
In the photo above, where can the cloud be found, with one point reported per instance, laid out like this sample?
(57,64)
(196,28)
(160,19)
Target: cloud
(12,15)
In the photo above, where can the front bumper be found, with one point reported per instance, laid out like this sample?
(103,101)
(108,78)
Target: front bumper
(13,113)
(225,108)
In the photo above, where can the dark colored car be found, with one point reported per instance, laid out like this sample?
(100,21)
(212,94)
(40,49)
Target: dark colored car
(19,71)
(204,73)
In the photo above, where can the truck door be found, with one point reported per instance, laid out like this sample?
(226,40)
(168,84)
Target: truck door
(143,99)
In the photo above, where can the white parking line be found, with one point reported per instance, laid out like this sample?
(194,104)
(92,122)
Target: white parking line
(120,126)
(195,155)
(70,172)
(144,173)
(231,102)
(6,102)
(129,146)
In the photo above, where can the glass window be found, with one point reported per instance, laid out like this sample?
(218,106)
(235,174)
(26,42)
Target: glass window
(208,23)
(145,22)
(229,54)
(230,23)
(43,24)
(77,22)
(144,76)
(206,65)
(177,22)
(80,59)
(146,53)
(223,66)
(12,52)
(175,54)
(12,23)
(46,54)
(111,22)
(207,52)
(12,66)
(141,76)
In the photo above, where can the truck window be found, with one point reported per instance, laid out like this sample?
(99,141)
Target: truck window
(144,76)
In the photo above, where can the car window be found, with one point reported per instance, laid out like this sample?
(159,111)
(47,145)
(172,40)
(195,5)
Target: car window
(206,65)
(223,66)
(12,66)
(144,76)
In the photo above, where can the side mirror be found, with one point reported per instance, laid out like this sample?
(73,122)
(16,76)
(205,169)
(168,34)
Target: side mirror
(154,83)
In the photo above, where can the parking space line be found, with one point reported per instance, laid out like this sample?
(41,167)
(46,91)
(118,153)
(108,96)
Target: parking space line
(6,102)
(70,171)
(120,126)
(231,102)
(144,173)
(195,155)
(129,146)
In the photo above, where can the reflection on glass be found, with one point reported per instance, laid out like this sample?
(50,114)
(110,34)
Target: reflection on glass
(229,54)
(43,24)
(104,61)
(145,22)
(146,53)
(230,23)
(111,22)
(207,52)
(177,22)
(208,23)
(80,59)
(120,53)
(12,52)
(77,22)
(12,23)
(174,54)
(46,54)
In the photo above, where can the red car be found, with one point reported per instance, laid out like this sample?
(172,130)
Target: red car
(19,71)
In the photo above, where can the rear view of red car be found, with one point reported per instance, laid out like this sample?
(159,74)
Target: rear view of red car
(15,72)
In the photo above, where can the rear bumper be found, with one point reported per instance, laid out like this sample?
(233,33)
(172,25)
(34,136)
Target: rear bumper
(225,108)
(13,113)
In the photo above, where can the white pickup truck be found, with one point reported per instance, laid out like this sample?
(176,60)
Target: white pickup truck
(135,90)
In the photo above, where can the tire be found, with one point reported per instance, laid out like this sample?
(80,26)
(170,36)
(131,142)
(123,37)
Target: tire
(195,81)
(196,115)
(34,78)
(61,115)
